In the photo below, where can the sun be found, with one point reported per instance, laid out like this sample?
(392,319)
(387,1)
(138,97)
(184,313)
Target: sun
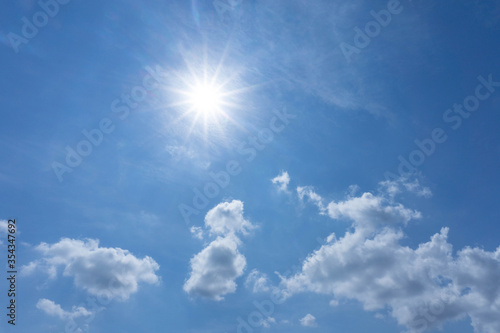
(206,98)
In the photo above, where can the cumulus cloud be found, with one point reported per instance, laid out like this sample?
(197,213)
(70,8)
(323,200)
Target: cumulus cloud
(422,287)
(215,269)
(107,272)
(281,181)
(308,321)
(227,218)
(53,309)
(370,210)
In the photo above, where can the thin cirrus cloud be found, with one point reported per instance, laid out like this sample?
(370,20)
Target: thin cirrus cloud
(423,288)
(113,273)
(215,269)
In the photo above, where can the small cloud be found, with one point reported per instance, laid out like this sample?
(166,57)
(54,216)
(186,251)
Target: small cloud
(308,191)
(308,321)
(55,310)
(352,190)
(3,226)
(268,321)
(334,303)
(257,282)
(394,187)
(282,181)
(197,232)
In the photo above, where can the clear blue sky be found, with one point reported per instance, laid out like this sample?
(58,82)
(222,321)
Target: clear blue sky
(251,166)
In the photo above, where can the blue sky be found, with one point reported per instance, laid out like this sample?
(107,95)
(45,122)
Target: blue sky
(252,166)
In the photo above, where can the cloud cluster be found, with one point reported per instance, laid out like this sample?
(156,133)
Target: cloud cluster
(113,273)
(422,287)
(215,269)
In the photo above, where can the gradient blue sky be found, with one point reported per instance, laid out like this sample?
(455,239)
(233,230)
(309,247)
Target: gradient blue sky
(351,119)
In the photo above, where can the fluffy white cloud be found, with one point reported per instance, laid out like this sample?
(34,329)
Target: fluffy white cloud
(308,321)
(227,218)
(370,210)
(422,287)
(53,309)
(215,269)
(281,181)
(107,272)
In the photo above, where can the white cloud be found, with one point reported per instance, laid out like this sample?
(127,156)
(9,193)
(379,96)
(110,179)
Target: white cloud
(227,218)
(257,282)
(53,309)
(370,210)
(268,321)
(3,226)
(422,287)
(215,269)
(108,272)
(308,321)
(308,192)
(394,187)
(197,232)
(281,181)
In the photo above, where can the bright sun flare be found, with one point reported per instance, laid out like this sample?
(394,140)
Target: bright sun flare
(206,99)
